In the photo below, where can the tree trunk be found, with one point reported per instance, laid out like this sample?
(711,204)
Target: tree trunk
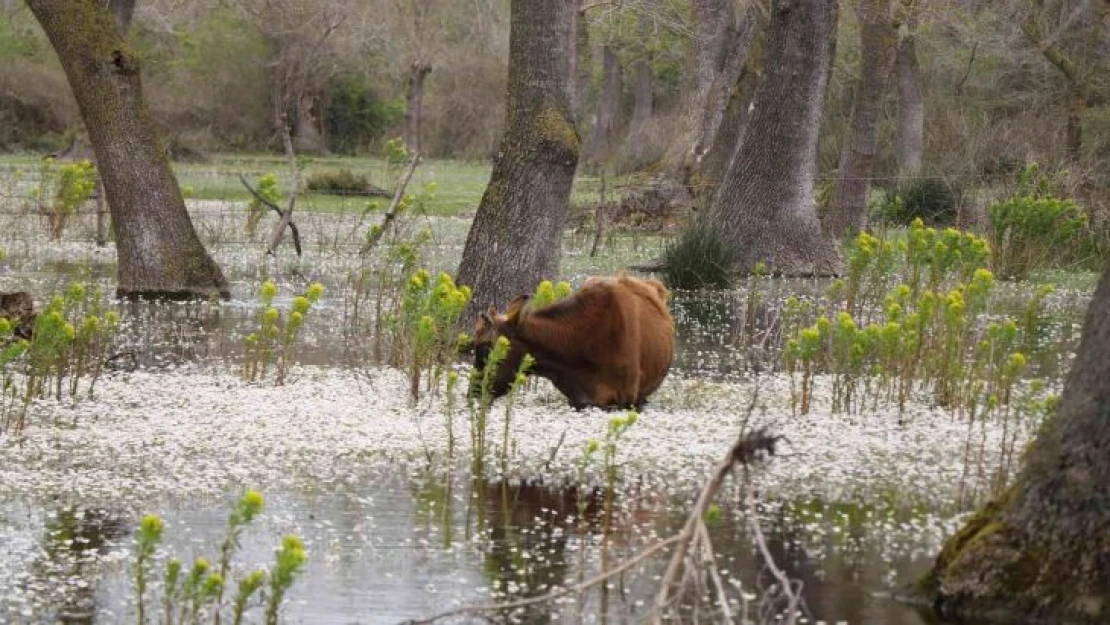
(516,236)
(307,138)
(710,169)
(847,214)
(414,101)
(1078,68)
(603,134)
(158,251)
(720,48)
(714,22)
(122,12)
(635,150)
(1041,554)
(765,208)
(643,104)
(911,109)
(741,38)
(579,59)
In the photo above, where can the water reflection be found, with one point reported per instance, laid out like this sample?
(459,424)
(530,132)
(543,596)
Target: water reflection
(529,529)
(400,545)
(74,541)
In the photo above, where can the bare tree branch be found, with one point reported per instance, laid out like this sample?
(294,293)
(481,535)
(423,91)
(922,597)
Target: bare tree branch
(391,212)
(287,214)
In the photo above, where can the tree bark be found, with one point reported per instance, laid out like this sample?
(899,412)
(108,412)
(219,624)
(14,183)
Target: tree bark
(414,102)
(599,147)
(579,59)
(158,251)
(910,147)
(643,104)
(722,39)
(847,214)
(122,11)
(636,141)
(516,236)
(307,137)
(1077,68)
(765,208)
(710,169)
(1041,554)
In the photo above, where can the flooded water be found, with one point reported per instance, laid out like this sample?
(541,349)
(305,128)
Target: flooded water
(853,510)
(408,546)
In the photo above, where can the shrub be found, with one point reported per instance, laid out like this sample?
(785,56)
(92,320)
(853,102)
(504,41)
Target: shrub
(275,342)
(356,116)
(267,188)
(699,259)
(342,182)
(62,190)
(931,200)
(1029,232)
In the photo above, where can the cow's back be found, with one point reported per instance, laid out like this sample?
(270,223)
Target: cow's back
(655,340)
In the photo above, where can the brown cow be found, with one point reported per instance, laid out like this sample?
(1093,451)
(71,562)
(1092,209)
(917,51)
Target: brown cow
(609,344)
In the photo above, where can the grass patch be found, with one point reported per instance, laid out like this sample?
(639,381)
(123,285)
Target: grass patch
(698,259)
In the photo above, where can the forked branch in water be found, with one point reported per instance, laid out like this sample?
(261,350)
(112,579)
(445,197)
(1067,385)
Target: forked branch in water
(391,212)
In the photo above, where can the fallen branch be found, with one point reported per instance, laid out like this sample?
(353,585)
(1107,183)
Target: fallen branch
(793,596)
(391,212)
(746,449)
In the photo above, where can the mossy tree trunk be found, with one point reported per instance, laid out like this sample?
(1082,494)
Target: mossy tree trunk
(1041,554)
(158,251)
(847,214)
(764,208)
(515,239)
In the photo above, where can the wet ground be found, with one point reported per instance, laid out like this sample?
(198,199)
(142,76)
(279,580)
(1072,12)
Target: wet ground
(853,506)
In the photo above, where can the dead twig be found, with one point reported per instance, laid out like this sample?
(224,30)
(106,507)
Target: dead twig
(747,448)
(391,212)
(793,595)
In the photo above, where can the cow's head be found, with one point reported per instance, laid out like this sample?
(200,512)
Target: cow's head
(490,326)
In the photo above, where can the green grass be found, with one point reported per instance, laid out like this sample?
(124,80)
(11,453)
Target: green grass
(460,184)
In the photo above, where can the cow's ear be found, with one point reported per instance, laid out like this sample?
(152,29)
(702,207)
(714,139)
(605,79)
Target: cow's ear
(491,311)
(486,317)
(515,308)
